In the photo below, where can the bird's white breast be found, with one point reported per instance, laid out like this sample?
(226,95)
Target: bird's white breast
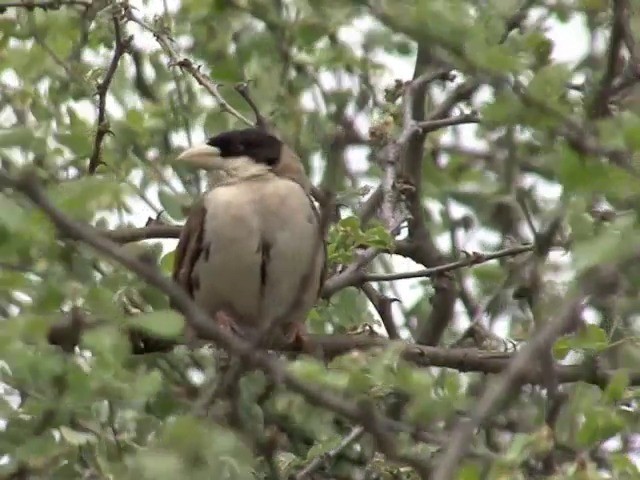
(242,220)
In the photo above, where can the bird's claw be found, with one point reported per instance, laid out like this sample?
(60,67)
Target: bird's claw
(298,337)
(227,322)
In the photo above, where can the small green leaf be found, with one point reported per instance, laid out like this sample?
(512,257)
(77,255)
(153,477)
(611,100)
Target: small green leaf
(561,348)
(12,215)
(74,437)
(163,323)
(16,137)
(617,386)
(592,338)
(167,261)
(172,203)
(470,471)
(349,223)
(601,423)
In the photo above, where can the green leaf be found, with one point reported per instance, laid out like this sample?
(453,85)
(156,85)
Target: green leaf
(16,137)
(12,215)
(172,203)
(106,341)
(618,240)
(600,423)
(470,471)
(74,437)
(163,323)
(592,338)
(549,83)
(616,387)
(167,261)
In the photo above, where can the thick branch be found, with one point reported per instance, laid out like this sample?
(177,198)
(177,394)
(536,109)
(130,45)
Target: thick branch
(200,321)
(134,234)
(600,105)
(496,393)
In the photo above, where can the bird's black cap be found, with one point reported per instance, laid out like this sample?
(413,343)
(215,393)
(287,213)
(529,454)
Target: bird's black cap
(250,142)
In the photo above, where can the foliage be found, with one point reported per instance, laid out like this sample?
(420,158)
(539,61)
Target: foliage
(499,145)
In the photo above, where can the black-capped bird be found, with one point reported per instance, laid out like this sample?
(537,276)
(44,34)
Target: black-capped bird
(252,249)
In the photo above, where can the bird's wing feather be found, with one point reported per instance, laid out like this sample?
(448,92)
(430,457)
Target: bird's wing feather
(323,246)
(189,247)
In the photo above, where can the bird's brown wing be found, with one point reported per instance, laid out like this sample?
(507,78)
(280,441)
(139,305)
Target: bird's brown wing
(323,241)
(187,252)
(189,247)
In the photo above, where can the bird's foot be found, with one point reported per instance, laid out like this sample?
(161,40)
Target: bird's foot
(298,338)
(227,322)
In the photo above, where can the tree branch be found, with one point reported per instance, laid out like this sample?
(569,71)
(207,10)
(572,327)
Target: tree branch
(197,319)
(102,124)
(600,105)
(44,4)
(188,66)
(473,259)
(496,393)
(328,457)
(135,234)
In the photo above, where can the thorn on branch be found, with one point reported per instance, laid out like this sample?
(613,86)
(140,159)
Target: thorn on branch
(187,66)
(103,128)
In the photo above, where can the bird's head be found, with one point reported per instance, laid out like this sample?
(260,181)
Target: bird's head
(238,154)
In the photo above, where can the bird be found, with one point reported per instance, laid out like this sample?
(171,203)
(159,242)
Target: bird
(252,250)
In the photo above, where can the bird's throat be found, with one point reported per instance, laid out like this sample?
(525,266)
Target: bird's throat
(237,170)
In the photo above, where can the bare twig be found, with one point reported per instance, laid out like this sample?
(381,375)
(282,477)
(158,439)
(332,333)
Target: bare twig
(516,20)
(243,90)
(474,258)
(496,393)
(382,304)
(328,457)
(428,126)
(600,104)
(44,4)
(102,124)
(188,66)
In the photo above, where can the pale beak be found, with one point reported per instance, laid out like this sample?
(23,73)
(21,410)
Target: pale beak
(204,156)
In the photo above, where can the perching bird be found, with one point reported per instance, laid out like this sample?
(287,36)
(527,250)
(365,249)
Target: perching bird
(252,250)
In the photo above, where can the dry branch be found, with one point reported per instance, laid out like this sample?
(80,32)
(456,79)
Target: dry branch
(102,89)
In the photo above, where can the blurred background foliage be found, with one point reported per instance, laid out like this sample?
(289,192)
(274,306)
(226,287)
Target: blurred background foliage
(554,159)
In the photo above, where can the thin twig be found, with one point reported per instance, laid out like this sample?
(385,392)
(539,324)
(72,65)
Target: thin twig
(474,258)
(44,4)
(328,457)
(600,105)
(496,393)
(517,19)
(188,66)
(428,126)
(382,304)
(102,124)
